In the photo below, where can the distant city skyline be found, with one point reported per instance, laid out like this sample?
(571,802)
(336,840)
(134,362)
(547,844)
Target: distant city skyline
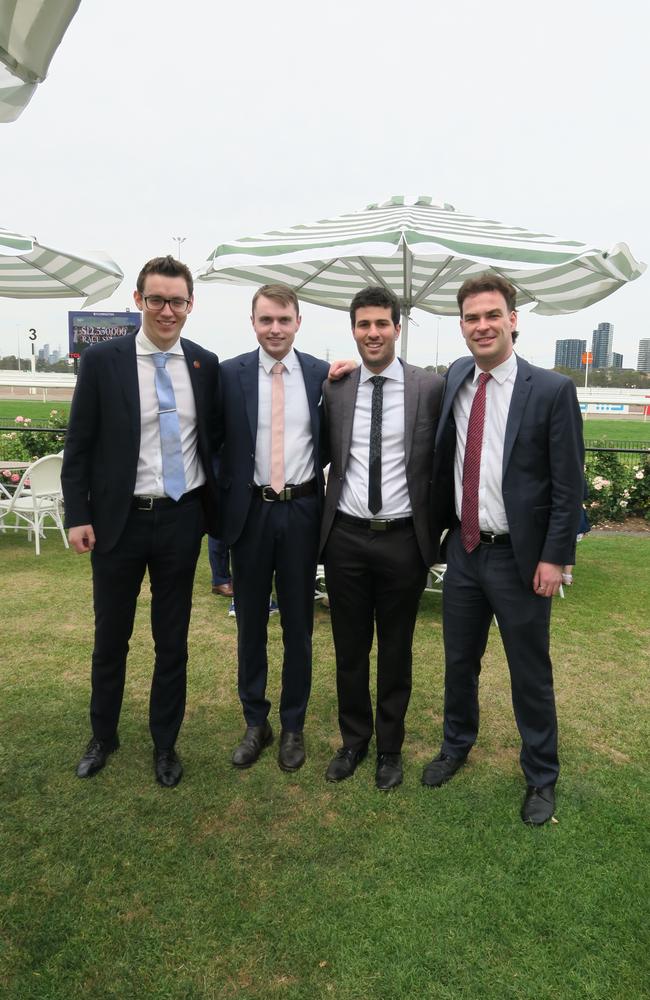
(643,359)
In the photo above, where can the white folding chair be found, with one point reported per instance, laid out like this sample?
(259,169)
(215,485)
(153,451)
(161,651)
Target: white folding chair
(435,577)
(37,497)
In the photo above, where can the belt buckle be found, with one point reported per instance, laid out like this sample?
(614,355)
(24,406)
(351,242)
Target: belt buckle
(378,524)
(145,503)
(490,540)
(269,499)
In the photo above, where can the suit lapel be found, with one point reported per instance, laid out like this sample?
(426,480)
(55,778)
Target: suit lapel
(411,398)
(126,366)
(248,378)
(346,403)
(455,378)
(520,394)
(193,367)
(313,388)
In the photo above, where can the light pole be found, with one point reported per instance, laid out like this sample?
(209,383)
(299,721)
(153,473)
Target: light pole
(178,240)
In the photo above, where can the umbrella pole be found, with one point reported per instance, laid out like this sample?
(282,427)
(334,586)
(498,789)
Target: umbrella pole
(404,337)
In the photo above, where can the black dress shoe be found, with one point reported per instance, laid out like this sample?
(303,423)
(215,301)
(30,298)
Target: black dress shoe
(539,805)
(291,754)
(344,763)
(441,769)
(389,771)
(168,767)
(96,755)
(254,740)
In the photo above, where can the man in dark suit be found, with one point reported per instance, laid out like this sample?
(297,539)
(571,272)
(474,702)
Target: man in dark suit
(377,534)
(270,491)
(137,485)
(510,448)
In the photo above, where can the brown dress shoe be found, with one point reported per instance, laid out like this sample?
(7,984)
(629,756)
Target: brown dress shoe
(223,589)
(253,742)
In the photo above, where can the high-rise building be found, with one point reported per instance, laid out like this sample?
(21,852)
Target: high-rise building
(601,345)
(617,360)
(643,363)
(568,353)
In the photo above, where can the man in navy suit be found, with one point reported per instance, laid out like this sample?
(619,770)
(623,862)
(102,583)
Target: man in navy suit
(270,503)
(132,511)
(510,450)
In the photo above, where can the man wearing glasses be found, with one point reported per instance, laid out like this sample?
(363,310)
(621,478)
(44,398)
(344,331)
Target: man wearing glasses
(138,485)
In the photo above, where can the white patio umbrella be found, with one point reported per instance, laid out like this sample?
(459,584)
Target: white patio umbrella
(29,270)
(422,251)
(30,33)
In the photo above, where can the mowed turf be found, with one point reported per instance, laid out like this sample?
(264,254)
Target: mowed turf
(596,428)
(262,884)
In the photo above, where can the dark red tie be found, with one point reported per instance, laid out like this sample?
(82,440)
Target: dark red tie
(469,530)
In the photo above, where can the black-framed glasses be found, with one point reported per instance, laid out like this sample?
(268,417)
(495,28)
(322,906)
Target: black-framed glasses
(155,303)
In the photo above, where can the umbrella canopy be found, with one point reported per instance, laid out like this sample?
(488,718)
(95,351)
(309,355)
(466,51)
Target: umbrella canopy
(30,33)
(422,251)
(31,271)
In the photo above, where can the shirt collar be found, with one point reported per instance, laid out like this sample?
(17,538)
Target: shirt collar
(502,372)
(144,346)
(266,361)
(394,371)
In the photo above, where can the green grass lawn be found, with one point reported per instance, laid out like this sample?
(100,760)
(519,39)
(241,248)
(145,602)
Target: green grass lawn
(617,429)
(604,429)
(261,884)
(37,410)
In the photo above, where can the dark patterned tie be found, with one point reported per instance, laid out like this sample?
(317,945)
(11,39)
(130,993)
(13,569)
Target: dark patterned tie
(469,528)
(374,455)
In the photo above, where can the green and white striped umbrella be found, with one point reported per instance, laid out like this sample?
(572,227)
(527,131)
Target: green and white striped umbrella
(422,251)
(30,33)
(29,270)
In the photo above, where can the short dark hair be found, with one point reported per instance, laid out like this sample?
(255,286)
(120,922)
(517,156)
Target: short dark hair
(375,295)
(277,293)
(168,266)
(487,282)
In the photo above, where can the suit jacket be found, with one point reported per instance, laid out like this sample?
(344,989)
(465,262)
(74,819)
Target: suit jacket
(238,392)
(103,439)
(543,460)
(422,395)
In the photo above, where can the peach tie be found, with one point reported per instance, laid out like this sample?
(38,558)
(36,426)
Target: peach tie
(277,427)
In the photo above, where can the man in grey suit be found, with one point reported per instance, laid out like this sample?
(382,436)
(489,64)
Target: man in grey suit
(509,469)
(377,533)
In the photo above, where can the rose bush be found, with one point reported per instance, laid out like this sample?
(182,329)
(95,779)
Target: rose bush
(616,491)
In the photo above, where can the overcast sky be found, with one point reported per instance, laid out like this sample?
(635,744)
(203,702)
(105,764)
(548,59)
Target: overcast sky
(214,121)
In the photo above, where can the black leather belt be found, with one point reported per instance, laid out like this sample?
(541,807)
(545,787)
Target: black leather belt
(289,492)
(374,523)
(160,503)
(488,538)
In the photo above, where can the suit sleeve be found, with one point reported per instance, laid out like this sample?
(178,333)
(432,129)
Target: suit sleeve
(566,460)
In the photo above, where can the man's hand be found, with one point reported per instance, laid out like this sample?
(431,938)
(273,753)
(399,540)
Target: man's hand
(547,580)
(82,538)
(340,368)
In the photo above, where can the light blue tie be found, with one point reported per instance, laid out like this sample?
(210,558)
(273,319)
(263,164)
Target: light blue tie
(170,430)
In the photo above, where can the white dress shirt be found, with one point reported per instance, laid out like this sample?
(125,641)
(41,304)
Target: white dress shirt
(298,437)
(491,510)
(149,477)
(394,491)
